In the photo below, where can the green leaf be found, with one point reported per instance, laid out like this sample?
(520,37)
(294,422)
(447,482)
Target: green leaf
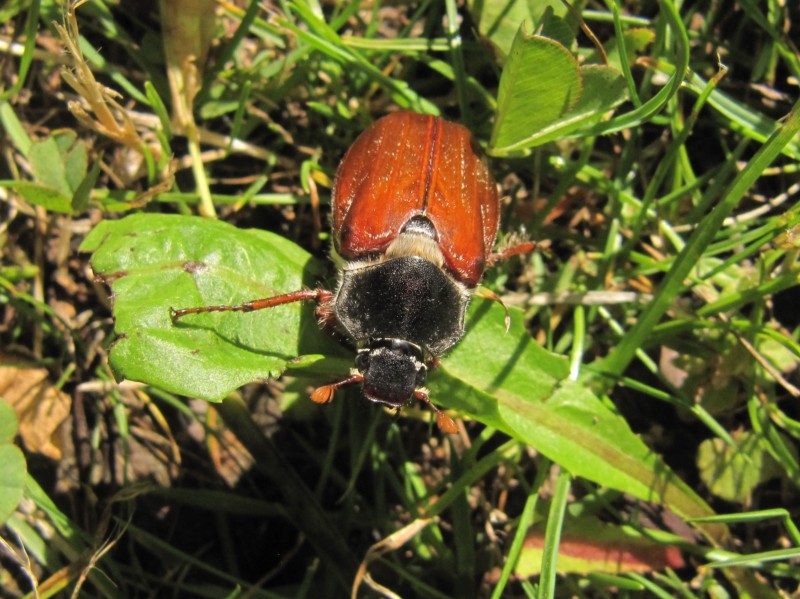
(509,382)
(76,161)
(83,191)
(47,197)
(47,165)
(603,89)
(216,108)
(155,262)
(12,463)
(59,166)
(533,104)
(558,28)
(732,473)
(589,546)
(636,39)
(12,8)
(504,380)
(500,21)
(540,83)
(13,128)
(8,423)
(158,107)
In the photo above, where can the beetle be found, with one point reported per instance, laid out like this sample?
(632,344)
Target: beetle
(415,214)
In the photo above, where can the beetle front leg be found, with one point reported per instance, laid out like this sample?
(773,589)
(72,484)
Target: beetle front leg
(325,393)
(443,421)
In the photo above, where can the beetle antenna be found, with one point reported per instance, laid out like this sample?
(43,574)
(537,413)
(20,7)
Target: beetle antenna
(443,421)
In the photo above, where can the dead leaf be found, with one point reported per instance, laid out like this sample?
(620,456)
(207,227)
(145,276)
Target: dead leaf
(41,408)
(230,457)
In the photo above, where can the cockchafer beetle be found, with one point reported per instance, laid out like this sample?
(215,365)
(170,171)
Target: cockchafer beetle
(415,214)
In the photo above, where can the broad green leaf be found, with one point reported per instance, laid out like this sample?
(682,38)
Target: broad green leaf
(545,95)
(75,160)
(781,357)
(155,262)
(732,473)
(59,165)
(82,195)
(509,382)
(504,380)
(558,28)
(500,21)
(540,83)
(12,463)
(41,195)
(603,89)
(8,423)
(48,166)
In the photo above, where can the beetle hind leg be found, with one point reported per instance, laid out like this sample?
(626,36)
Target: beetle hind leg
(517,249)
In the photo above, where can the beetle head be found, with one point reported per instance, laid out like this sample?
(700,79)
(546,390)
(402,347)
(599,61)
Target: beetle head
(392,370)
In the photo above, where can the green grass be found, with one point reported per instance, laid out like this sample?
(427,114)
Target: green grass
(643,402)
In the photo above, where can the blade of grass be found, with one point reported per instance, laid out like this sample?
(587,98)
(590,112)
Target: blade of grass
(666,164)
(457,58)
(303,508)
(773,441)
(758,516)
(326,40)
(13,128)
(756,560)
(673,283)
(659,101)
(552,537)
(783,43)
(619,32)
(161,548)
(31,32)
(526,520)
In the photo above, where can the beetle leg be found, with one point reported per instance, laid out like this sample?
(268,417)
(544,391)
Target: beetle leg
(491,295)
(326,312)
(320,296)
(443,421)
(325,393)
(524,247)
